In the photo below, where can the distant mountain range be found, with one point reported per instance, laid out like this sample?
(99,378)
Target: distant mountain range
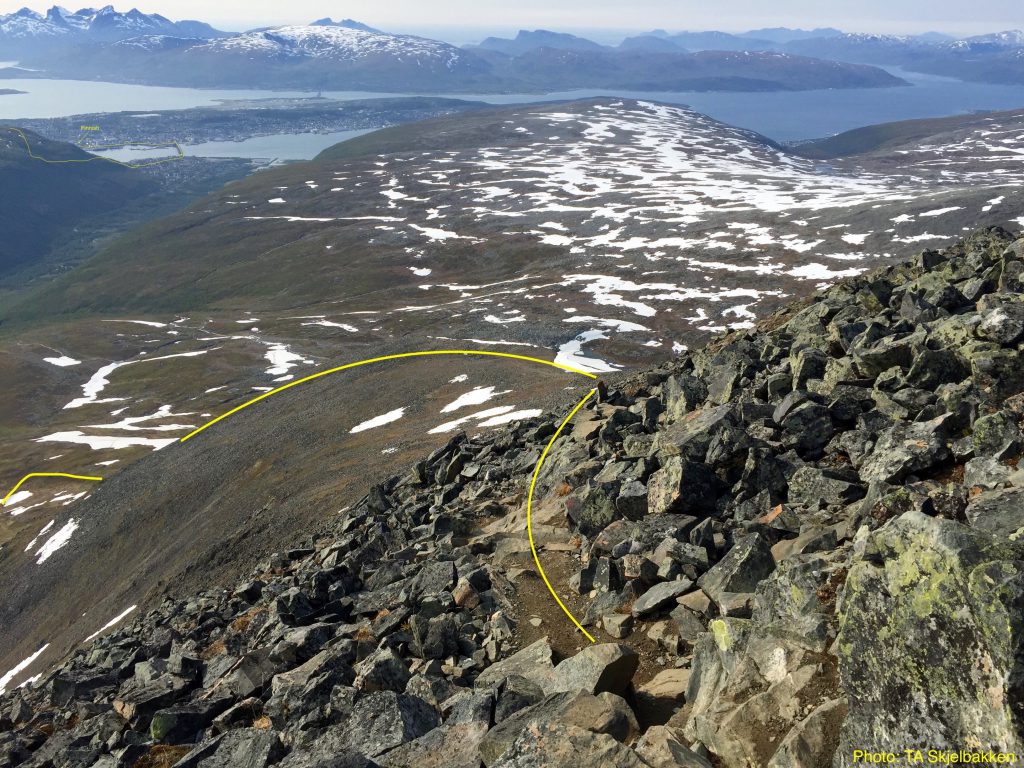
(997,57)
(993,58)
(340,55)
(28,32)
(133,46)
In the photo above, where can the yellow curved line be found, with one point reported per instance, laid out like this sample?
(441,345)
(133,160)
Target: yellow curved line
(404,355)
(34,156)
(48,474)
(529,514)
(401,356)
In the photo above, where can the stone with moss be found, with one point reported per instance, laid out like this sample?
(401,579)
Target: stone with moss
(931,640)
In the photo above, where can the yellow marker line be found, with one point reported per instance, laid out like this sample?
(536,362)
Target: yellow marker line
(401,356)
(48,474)
(529,513)
(404,355)
(34,156)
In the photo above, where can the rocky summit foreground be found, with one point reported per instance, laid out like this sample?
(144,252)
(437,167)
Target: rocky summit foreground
(801,541)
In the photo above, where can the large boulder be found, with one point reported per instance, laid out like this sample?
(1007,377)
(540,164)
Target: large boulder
(904,449)
(931,640)
(604,668)
(384,720)
(999,511)
(602,714)
(682,486)
(453,745)
(534,663)
(811,486)
(244,748)
(749,687)
(741,570)
(554,745)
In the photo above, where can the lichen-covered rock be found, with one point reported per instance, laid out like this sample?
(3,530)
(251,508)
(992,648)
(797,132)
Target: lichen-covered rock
(907,448)
(533,663)
(811,486)
(748,687)
(384,720)
(812,742)
(999,511)
(931,641)
(682,486)
(244,748)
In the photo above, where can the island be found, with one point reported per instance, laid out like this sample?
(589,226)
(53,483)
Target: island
(10,92)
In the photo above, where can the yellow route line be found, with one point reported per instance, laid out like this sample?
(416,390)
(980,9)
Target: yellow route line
(529,513)
(405,355)
(401,356)
(48,474)
(34,156)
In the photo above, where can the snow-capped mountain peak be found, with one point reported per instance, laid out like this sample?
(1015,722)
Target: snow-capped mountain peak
(339,43)
(26,23)
(105,24)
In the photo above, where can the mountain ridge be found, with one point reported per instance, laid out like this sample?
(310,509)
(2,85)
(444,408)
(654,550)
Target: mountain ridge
(134,47)
(761,498)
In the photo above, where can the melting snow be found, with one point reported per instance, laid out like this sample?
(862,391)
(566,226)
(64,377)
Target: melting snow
(817,271)
(17,498)
(451,426)
(282,360)
(571,354)
(514,416)
(98,442)
(476,396)
(55,542)
(62,362)
(113,622)
(6,679)
(129,424)
(622,326)
(329,324)
(150,323)
(99,381)
(379,421)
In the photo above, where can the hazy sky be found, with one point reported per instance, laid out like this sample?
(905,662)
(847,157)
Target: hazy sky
(479,16)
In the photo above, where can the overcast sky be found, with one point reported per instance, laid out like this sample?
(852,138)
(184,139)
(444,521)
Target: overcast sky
(479,16)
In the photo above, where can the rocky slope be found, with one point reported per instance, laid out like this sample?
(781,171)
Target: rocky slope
(605,234)
(800,540)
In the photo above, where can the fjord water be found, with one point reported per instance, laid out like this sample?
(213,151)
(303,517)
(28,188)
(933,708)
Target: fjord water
(279,146)
(781,115)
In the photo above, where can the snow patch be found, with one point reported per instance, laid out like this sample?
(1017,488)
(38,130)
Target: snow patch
(476,396)
(113,622)
(379,421)
(57,541)
(62,362)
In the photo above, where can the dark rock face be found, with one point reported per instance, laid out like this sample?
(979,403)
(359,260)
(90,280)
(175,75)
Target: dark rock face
(807,538)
